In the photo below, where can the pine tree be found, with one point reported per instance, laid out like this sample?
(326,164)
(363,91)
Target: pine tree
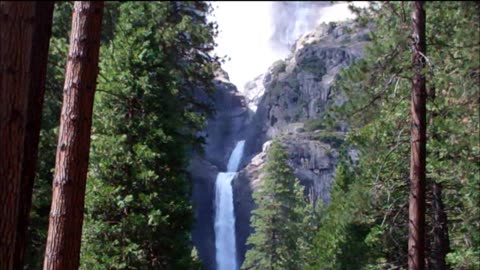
(416,224)
(66,214)
(340,241)
(378,90)
(38,228)
(16,36)
(278,220)
(39,59)
(138,209)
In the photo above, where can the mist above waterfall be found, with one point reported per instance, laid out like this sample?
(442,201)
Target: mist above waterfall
(289,20)
(255,34)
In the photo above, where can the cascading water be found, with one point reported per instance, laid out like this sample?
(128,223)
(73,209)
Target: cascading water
(225,245)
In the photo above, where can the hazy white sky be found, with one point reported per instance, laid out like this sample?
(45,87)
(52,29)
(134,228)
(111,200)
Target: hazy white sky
(245,30)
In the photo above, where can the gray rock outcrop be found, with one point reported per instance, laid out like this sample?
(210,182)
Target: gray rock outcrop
(298,90)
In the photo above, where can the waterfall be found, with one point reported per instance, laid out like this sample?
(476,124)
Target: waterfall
(235,157)
(226,255)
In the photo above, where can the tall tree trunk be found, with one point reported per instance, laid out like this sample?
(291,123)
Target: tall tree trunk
(16,32)
(38,71)
(66,214)
(440,244)
(416,225)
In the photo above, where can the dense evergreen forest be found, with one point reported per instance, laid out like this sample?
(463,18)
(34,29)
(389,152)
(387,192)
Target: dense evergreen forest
(103,104)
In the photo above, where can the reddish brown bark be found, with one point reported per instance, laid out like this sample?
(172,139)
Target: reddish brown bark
(440,244)
(16,31)
(66,214)
(38,71)
(416,225)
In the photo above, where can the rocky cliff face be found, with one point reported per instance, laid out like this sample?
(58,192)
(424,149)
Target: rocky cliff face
(297,92)
(299,89)
(286,102)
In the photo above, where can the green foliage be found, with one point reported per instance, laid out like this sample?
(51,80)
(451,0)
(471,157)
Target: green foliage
(313,65)
(373,227)
(281,219)
(146,119)
(344,239)
(314,124)
(155,65)
(333,138)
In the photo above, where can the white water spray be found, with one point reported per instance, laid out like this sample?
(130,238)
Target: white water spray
(226,255)
(256,34)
